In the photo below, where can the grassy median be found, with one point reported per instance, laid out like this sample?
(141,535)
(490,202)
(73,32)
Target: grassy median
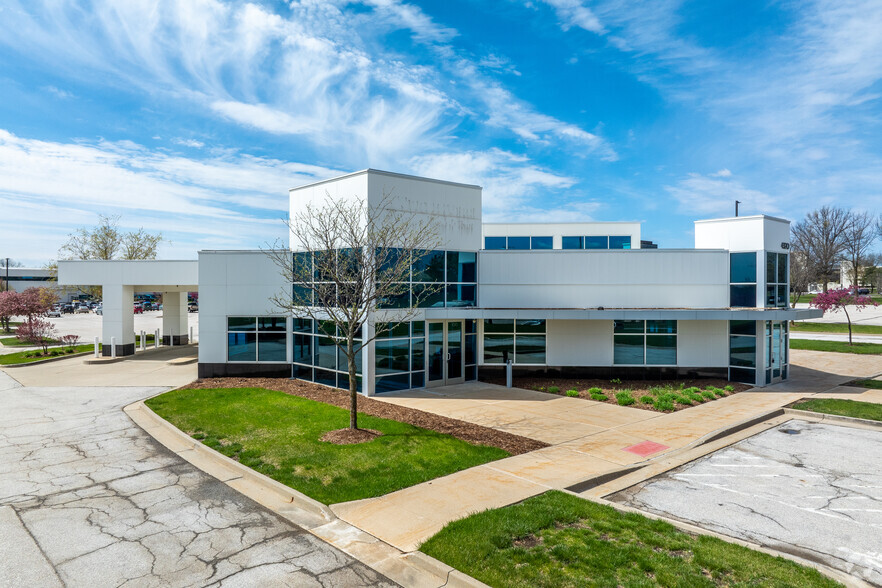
(839,406)
(560,540)
(279,435)
(835,328)
(28,357)
(836,346)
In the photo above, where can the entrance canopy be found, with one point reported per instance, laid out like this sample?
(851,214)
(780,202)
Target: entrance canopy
(119,280)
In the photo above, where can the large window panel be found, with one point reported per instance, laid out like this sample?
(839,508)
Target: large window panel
(742,296)
(429,268)
(495,347)
(619,242)
(461,295)
(529,349)
(462,266)
(742,327)
(669,327)
(241,323)
(771,271)
(629,326)
(742,267)
(628,349)
(597,242)
(325,353)
(343,361)
(572,242)
(392,356)
(541,243)
(782,268)
(518,243)
(271,323)
(392,383)
(494,243)
(530,326)
(742,351)
(661,350)
(271,347)
(241,347)
(302,349)
(428,296)
(499,325)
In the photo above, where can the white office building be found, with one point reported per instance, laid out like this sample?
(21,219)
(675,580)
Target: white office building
(579,299)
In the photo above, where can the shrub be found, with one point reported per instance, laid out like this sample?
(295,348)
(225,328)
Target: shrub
(554,389)
(694,396)
(728,388)
(624,398)
(709,394)
(647,399)
(664,404)
(595,391)
(615,381)
(599,396)
(572,393)
(70,341)
(683,399)
(37,332)
(692,390)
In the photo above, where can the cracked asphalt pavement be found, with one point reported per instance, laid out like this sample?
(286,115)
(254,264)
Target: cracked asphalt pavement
(88,499)
(810,489)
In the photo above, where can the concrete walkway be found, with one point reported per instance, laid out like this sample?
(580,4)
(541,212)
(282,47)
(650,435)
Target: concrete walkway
(87,498)
(587,439)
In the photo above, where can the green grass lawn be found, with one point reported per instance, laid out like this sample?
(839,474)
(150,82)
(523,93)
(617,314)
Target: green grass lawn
(877,384)
(16,342)
(19,357)
(836,328)
(806,298)
(560,540)
(841,407)
(836,346)
(279,435)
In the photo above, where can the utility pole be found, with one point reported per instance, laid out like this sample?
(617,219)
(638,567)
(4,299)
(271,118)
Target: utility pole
(737,202)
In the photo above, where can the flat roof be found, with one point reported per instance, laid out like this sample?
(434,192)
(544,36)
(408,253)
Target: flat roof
(385,173)
(738,218)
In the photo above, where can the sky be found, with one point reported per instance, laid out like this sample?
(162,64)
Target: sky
(194,117)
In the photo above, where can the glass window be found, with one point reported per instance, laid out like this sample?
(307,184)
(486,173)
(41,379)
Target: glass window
(428,295)
(271,323)
(325,377)
(241,347)
(418,328)
(301,372)
(461,294)
(628,349)
(661,350)
(471,349)
(494,243)
(743,375)
(742,351)
(325,354)
(429,267)
(462,266)
(531,326)
(541,243)
(302,325)
(499,325)
(572,243)
(529,349)
(518,243)
(324,265)
(343,361)
(392,356)
(496,345)
(617,242)
(782,268)
(596,242)
(400,300)
(392,383)
(302,349)
(301,295)
(742,268)
(418,354)
(782,295)
(241,323)
(771,273)
(471,326)
(393,330)
(343,381)
(661,326)
(302,267)
(742,327)
(417,379)
(743,296)
(272,347)
(771,294)
(628,326)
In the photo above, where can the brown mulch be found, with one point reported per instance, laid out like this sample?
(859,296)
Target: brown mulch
(469,432)
(637,388)
(350,436)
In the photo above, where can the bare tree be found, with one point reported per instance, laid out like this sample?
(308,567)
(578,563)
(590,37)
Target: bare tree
(107,241)
(350,261)
(860,232)
(821,235)
(800,274)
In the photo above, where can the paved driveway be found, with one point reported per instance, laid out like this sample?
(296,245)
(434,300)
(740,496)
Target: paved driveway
(811,489)
(88,499)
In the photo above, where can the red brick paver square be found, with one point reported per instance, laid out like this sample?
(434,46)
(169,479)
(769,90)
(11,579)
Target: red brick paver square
(646,448)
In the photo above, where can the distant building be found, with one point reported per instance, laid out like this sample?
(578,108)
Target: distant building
(648,245)
(19,279)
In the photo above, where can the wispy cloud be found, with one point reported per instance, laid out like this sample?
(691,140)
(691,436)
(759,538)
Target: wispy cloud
(188,143)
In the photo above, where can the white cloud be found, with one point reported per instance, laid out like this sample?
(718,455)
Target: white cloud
(58,92)
(573,13)
(703,196)
(187,142)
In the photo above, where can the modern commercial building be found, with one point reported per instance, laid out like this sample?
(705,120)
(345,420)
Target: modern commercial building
(19,279)
(580,299)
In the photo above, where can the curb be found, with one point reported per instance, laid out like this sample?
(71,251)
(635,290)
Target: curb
(408,569)
(42,361)
(838,419)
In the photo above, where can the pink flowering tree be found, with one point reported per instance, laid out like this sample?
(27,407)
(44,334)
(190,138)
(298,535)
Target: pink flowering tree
(10,306)
(38,332)
(836,300)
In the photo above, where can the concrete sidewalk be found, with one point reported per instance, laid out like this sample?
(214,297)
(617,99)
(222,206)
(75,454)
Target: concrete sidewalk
(587,439)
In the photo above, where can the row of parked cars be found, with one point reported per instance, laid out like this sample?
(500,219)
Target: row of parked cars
(97,307)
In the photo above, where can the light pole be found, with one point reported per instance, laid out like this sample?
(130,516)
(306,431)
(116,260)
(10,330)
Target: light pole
(737,202)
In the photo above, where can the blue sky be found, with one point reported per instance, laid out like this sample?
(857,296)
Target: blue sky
(194,117)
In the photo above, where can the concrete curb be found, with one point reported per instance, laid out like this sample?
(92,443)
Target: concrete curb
(42,361)
(832,573)
(408,569)
(139,353)
(837,419)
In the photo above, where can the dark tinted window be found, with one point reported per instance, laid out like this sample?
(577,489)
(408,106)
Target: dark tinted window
(572,242)
(518,242)
(541,243)
(596,242)
(494,242)
(742,267)
(619,242)
(743,296)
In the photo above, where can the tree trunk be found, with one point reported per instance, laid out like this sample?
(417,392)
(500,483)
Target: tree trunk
(353,383)
(848,318)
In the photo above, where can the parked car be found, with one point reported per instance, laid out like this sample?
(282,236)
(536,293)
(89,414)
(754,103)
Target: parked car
(82,310)
(863,290)
(67,309)
(138,309)
(99,309)
(55,313)
(192,307)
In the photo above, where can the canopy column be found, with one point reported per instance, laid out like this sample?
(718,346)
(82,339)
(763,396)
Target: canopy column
(174,318)
(118,322)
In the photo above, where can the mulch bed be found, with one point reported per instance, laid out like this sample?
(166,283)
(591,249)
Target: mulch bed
(350,436)
(637,388)
(469,432)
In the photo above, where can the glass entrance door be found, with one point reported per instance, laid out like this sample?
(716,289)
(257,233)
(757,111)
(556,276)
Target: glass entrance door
(445,339)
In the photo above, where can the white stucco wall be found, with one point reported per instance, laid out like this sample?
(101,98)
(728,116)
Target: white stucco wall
(743,233)
(232,283)
(703,343)
(647,278)
(576,343)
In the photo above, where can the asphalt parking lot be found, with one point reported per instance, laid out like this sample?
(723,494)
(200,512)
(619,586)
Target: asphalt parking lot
(810,489)
(88,326)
